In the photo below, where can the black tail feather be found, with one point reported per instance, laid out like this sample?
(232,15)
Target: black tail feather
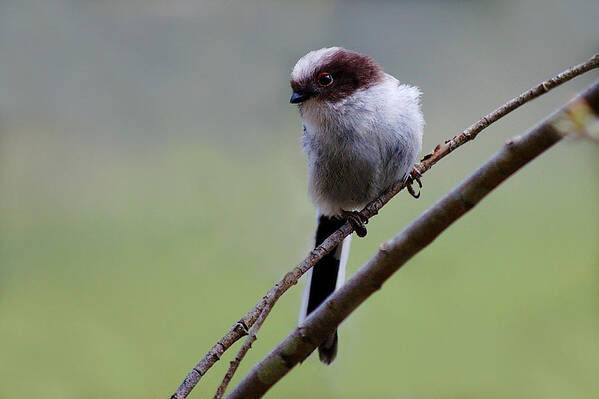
(324,281)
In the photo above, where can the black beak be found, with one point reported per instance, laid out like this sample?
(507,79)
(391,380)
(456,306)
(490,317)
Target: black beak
(299,96)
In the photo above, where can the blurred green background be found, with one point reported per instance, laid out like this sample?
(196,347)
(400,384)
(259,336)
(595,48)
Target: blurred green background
(153,189)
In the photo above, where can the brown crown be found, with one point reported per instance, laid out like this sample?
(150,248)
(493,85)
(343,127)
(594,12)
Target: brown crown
(350,71)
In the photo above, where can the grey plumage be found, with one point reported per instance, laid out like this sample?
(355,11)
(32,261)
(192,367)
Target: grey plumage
(362,145)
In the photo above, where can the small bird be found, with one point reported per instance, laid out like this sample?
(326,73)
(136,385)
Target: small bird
(362,134)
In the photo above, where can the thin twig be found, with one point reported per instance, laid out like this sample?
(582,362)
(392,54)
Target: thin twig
(396,252)
(239,329)
(471,132)
(272,296)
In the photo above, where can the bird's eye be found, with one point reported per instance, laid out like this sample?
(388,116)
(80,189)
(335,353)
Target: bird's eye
(325,79)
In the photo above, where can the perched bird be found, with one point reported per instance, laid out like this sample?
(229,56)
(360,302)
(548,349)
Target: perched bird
(362,134)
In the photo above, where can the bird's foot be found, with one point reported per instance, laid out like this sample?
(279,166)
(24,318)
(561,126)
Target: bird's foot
(357,221)
(414,176)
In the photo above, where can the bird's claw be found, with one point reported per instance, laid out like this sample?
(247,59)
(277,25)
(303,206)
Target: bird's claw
(414,176)
(357,221)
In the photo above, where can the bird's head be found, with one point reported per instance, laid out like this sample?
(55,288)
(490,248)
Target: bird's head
(332,74)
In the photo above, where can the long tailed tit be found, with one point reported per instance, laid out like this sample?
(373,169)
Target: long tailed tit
(362,134)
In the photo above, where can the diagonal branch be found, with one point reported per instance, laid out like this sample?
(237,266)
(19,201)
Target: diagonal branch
(420,233)
(240,328)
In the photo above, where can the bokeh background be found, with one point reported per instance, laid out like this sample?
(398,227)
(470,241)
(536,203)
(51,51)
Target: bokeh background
(153,189)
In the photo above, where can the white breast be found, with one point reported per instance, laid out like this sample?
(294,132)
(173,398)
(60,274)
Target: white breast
(361,144)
